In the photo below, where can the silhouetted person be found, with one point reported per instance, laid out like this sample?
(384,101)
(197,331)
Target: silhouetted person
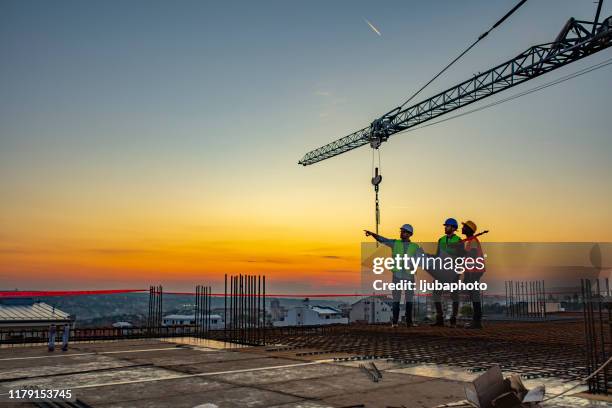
(65,337)
(52,332)
(473,249)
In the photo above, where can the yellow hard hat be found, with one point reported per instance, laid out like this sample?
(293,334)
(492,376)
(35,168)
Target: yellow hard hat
(470,224)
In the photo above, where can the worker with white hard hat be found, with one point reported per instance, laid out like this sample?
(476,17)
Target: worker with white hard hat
(401,247)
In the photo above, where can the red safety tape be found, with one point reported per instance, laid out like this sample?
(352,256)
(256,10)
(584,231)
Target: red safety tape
(40,293)
(47,293)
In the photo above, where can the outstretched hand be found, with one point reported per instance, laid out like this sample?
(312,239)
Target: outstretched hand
(368,233)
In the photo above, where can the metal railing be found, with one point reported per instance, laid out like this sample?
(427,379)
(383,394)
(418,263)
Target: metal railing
(14,337)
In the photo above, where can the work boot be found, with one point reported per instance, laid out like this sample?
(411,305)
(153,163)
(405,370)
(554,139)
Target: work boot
(477,306)
(395,310)
(438,323)
(409,322)
(453,319)
(439,315)
(475,324)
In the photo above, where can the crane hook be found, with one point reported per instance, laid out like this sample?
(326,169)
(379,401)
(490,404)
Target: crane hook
(376,180)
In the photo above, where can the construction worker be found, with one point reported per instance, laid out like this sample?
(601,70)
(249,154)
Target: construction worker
(447,247)
(65,337)
(472,249)
(401,247)
(52,333)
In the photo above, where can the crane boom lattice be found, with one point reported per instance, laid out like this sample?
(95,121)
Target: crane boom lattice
(577,39)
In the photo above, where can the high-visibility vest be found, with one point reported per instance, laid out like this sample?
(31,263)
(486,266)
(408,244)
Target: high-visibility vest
(400,249)
(445,240)
(470,244)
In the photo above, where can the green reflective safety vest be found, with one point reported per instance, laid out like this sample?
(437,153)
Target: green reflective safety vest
(400,249)
(445,240)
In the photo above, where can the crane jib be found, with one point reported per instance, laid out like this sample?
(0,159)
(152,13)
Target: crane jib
(577,40)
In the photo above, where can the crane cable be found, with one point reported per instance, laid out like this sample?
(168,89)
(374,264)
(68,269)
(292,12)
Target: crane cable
(376,180)
(521,94)
(376,174)
(483,35)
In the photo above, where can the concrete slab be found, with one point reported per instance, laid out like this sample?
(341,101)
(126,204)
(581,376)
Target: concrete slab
(285,374)
(121,345)
(197,374)
(355,382)
(17,369)
(426,393)
(304,404)
(228,365)
(187,356)
(236,397)
(91,378)
(124,393)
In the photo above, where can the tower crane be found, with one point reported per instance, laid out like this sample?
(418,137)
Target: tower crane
(576,40)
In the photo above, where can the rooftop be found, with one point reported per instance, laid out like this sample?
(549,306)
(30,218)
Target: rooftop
(150,373)
(300,368)
(325,309)
(24,311)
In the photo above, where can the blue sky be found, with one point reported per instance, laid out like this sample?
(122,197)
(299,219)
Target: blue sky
(192,115)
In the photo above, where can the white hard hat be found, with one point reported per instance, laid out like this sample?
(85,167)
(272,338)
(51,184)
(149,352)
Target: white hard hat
(408,228)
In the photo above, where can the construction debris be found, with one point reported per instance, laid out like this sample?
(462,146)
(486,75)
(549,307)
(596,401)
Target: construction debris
(373,372)
(376,370)
(491,390)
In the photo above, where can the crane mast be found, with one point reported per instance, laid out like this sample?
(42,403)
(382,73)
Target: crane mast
(577,39)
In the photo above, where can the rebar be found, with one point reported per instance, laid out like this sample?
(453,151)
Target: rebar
(244,309)
(155,313)
(597,310)
(525,299)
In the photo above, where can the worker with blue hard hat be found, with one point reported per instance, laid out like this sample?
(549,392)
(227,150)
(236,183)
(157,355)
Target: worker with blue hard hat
(401,247)
(447,247)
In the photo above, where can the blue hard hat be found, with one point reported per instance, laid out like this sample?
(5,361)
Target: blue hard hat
(452,222)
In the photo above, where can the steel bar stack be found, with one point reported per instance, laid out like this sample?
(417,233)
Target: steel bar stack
(245,308)
(154,317)
(597,304)
(525,299)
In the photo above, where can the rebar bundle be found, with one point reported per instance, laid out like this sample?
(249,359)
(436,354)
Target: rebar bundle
(203,310)
(245,306)
(597,304)
(154,317)
(525,299)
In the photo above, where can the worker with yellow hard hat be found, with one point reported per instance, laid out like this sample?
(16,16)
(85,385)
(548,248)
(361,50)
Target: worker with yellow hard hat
(473,249)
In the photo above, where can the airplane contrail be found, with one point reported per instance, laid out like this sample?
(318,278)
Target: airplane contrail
(372,27)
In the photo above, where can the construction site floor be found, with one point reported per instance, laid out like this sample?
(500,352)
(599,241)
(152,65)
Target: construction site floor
(192,373)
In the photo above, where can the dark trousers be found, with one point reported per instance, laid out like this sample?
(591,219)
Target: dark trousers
(397,296)
(396,310)
(437,298)
(473,277)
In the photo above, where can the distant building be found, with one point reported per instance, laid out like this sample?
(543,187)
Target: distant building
(216,321)
(25,313)
(122,325)
(311,315)
(277,312)
(372,309)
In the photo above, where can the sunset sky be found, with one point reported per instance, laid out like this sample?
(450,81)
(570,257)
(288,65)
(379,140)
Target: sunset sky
(157,142)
